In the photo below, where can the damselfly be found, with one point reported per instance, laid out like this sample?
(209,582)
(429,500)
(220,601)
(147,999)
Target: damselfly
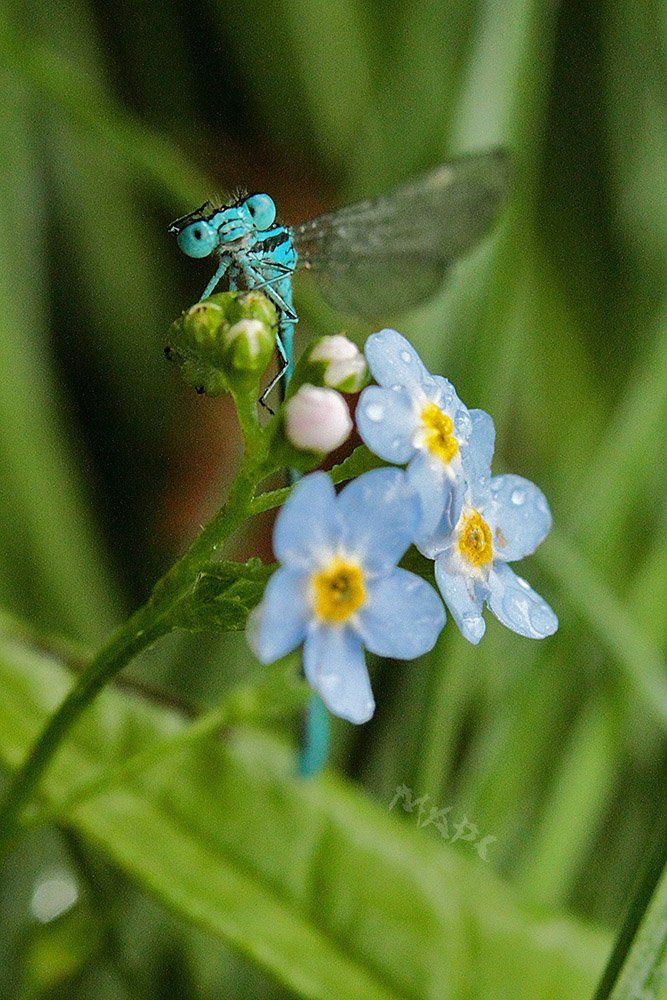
(378,257)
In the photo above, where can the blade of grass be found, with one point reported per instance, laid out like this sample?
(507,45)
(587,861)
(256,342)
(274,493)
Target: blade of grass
(150,157)
(578,795)
(638,964)
(643,666)
(53,545)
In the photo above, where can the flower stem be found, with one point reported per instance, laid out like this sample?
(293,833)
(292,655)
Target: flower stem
(141,630)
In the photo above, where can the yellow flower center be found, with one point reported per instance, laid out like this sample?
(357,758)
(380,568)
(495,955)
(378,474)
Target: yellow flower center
(474,542)
(439,433)
(338,590)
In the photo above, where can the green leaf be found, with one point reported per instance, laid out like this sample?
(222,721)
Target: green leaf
(223,596)
(638,966)
(315,883)
(361,460)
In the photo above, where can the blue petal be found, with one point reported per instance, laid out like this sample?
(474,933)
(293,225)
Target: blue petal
(386,422)
(441,392)
(306,524)
(521,515)
(378,515)
(436,491)
(517,606)
(463,600)
(478,455)
(334,665)
(278,624)
(394,361)
(402,617)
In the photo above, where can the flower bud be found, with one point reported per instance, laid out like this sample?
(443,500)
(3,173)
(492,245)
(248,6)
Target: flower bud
(344,365)
(224,342)
(248,346)
(317,419)
(247,305)
(200,330)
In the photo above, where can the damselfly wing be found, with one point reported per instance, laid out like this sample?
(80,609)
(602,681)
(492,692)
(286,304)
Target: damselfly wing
(390,253)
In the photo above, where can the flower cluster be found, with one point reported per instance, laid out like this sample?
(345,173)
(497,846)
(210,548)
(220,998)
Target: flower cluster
(339,588)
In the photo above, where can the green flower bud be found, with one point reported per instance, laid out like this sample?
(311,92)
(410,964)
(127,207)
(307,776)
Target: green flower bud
(211,357)
(249,305)
(248,346)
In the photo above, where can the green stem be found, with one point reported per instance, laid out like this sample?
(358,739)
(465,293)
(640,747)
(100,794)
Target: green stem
(147,624)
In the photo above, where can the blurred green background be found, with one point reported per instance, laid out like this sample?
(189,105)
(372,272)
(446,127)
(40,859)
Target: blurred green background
(116,118)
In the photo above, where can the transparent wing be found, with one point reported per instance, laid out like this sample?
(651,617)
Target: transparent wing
(390,253)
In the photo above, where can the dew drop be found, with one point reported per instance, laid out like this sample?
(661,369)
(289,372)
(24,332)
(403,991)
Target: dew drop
(463,424)
(473,625)
(541,620)
(406,357)
(375,412)
(518,497)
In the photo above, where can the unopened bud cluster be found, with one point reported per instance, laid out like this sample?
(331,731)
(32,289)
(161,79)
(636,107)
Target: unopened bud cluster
(224,342)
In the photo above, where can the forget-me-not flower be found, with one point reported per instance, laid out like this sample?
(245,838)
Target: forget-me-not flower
(415,417)
(338,589)
(503,519)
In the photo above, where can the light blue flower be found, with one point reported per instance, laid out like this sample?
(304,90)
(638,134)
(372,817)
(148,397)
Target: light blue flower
(503,519)
(338,588)
(414,417)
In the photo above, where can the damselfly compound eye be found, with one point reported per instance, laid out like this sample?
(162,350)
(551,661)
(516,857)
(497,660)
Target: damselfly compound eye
(199,239)
(262,210)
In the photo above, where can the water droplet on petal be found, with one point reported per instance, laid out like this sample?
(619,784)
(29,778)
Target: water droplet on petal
(518,497)
(473,625)
(375,412)
(406,356)
(541,619)
(463,424)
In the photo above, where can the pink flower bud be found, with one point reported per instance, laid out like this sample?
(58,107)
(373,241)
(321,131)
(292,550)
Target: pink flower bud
(317,419)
